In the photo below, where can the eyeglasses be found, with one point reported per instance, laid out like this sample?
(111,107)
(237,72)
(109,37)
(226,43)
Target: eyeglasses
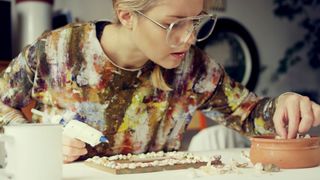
(179,31)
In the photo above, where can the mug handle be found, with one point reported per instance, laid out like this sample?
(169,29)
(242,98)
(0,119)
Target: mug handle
(3,173)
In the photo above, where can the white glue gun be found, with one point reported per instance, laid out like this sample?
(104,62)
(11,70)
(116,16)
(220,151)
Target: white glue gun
(76,129)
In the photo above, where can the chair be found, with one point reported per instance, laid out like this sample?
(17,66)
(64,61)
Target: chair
(217,137)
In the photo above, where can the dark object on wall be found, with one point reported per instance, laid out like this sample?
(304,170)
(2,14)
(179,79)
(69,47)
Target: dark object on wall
(61,18)
(5,30)
(306,15)
(232,46)
(46,1)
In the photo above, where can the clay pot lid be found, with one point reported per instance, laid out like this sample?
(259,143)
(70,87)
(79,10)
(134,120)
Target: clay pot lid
(272,139)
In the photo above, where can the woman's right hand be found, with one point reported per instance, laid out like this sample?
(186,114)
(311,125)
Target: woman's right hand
(72,149)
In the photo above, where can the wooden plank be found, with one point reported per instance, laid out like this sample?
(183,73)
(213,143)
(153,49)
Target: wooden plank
(150,162)
(145,169)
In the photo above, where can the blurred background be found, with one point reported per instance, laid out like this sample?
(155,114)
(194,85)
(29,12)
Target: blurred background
(271,46)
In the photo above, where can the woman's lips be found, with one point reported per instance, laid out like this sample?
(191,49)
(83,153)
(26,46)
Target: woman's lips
(179,55)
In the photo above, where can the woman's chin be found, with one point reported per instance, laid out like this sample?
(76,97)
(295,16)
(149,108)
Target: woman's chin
(174,63)
(169,63)
(171,66)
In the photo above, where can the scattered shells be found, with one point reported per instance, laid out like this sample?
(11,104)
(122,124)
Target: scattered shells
(152,159)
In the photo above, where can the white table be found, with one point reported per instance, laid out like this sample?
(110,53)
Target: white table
(79,171)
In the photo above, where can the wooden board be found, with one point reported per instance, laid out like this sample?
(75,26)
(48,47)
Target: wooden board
(145,169)
(150,162)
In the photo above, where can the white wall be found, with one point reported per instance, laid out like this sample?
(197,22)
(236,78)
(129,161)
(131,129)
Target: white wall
(87,9)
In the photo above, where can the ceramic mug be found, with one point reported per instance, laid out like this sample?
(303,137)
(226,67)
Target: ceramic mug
(33,152)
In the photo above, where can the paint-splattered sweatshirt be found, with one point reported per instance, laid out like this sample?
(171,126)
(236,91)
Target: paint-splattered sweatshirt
(67,72)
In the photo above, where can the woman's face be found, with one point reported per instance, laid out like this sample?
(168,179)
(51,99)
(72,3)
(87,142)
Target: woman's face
(151,38)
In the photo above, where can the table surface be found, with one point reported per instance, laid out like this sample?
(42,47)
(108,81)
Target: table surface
(79,171)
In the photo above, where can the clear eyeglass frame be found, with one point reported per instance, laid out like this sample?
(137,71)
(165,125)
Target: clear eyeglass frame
(197,23)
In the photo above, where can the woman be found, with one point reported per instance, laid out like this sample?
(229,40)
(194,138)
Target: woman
(139,80)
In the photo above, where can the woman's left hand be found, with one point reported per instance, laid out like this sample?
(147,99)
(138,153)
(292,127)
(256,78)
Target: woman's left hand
(295,114)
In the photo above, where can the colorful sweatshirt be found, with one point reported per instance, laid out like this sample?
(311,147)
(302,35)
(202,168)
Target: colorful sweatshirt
(67,72)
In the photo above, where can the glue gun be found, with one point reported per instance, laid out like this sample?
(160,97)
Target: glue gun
(75,129)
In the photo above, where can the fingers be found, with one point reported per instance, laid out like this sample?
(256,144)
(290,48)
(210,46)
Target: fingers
(306,113)
(299,112)
(72,142)
(278,120)
(69,159)
(72,149)
(316,114)
(293,116)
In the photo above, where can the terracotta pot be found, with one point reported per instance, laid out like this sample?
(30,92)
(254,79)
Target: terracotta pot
(285,153)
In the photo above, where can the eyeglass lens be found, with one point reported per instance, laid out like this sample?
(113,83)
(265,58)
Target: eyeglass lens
(205,29)
(181,31)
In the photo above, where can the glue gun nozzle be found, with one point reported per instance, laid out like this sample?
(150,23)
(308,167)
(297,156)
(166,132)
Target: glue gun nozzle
(104,139)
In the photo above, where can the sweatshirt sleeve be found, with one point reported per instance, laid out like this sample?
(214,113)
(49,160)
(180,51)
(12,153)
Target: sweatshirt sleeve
(16,81)
(234,106)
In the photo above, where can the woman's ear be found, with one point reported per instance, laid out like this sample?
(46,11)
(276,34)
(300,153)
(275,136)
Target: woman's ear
(126,18)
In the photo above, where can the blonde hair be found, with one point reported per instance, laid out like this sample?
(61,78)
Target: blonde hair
(157,78)
(131,5)
(207,4)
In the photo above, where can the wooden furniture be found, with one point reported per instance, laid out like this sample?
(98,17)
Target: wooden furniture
(198,122)
(3,64)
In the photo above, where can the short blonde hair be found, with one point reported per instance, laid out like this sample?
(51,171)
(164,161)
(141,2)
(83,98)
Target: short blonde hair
(131,5)
(157,79)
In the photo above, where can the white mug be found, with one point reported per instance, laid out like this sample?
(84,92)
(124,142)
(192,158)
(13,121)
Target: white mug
(33,152)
